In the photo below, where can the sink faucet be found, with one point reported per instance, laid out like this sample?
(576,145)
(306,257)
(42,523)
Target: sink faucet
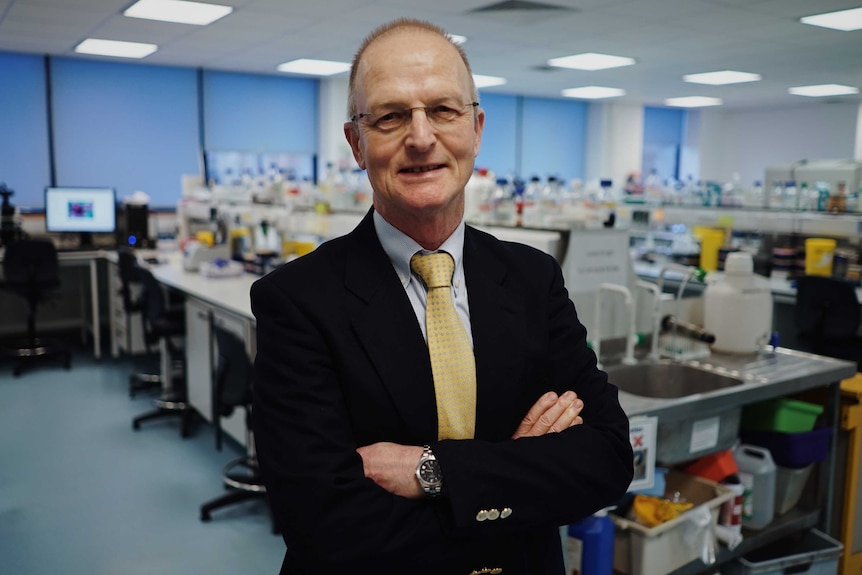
(631,336)
(688,272)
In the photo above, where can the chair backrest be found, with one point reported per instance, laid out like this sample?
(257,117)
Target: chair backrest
(31,265)
(152,304)
(233,377)
(826,308)
(129,274)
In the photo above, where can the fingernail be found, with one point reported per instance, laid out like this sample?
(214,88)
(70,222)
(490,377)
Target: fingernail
(569,396)
(579,404)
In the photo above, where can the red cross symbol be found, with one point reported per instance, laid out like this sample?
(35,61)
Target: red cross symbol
(638,441)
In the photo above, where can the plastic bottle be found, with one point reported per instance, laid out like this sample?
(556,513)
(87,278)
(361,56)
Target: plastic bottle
(791,199)
(504,203)
(776,198)
(729,528)
(757,475)
(738,307)
(590,549)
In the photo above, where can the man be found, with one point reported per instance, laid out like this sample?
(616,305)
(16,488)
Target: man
(350,403)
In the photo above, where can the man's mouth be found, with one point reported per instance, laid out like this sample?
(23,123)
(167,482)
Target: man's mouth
(421,169)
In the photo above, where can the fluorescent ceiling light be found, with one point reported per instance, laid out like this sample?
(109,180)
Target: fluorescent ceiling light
(457,38)
(823,90)
(693,102)
(115,48)
(487,81)
(845,20)
(178,11)
(591,61)
(722,77)
(314,67)
(593,92)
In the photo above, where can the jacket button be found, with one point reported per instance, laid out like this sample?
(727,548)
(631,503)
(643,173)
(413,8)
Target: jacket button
(482,515)
(505,512)
(493,514)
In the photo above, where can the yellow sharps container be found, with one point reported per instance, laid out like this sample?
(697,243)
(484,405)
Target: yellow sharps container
(711,240)
(818,256)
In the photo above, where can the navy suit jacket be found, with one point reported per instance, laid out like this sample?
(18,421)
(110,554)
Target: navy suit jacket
(341,363)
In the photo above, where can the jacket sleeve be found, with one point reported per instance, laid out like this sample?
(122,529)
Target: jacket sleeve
(557,478)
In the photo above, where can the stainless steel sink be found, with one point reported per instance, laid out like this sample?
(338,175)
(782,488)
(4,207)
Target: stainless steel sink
(667,379)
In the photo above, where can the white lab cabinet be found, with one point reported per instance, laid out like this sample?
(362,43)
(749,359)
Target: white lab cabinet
(202,359)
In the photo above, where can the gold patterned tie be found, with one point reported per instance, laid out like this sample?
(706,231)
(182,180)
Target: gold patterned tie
(452,361)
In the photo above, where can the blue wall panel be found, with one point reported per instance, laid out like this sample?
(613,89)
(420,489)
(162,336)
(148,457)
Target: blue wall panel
(133,127)
(554,138)
(256,113)
(24,158)
(499,151)
(663,136)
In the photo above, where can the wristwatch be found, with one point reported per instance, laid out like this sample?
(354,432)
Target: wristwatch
(429,474)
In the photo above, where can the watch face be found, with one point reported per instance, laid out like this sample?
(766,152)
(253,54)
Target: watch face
(429,472)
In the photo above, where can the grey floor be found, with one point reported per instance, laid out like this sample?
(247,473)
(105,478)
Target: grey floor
(82,493)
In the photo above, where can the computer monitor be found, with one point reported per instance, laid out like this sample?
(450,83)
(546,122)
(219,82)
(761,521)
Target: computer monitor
(82,210)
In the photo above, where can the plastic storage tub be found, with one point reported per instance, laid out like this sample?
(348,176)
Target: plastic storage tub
(641,550)
(810,552)
(789,484)
(792,449)
(781,414)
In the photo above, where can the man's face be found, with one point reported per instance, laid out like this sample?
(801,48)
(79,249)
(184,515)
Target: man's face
(420,169)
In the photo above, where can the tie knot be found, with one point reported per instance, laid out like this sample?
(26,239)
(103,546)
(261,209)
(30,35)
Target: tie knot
(435,269)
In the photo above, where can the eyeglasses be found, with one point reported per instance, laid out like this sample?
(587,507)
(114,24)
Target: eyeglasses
(389,120)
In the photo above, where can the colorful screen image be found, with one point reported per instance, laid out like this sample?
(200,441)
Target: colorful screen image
(81,210)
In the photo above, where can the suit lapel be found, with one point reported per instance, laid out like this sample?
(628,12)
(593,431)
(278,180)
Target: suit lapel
(387,329)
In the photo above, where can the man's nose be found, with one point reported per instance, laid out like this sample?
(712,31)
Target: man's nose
(420,131)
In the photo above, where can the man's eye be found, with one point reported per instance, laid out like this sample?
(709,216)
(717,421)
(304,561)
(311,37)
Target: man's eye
(389,120)
(444,113)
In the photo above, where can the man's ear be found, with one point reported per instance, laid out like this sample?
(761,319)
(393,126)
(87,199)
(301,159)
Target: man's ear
(352,135)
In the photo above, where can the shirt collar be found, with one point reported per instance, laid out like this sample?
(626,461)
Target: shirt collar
(400,247)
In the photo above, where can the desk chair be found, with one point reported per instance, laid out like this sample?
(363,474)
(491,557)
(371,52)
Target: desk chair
(827,318)
(162,324)
(31,270)
(233,389)
(130,282)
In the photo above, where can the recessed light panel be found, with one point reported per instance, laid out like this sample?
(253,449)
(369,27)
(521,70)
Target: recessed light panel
(845,20)
(487,81)
(115,48)
(314,67)
(693,102)
(823,90)
(591,61)
(178,11)
(722,77)
(593,92)
(457,38)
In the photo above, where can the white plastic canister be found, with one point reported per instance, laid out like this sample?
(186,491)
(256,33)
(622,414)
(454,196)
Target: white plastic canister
(758,477)
(738,307)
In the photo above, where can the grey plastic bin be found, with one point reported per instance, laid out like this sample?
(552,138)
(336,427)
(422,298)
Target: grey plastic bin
(809,552)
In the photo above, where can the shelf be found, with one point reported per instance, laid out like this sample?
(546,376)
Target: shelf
(794,520)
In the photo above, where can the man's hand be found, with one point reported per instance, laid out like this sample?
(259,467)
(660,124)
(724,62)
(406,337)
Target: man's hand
(551,414)
(393,467)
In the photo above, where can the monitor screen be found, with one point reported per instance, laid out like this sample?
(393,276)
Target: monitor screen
(88,210)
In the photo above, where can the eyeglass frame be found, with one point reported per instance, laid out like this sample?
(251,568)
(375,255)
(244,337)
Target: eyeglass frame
(355,118)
